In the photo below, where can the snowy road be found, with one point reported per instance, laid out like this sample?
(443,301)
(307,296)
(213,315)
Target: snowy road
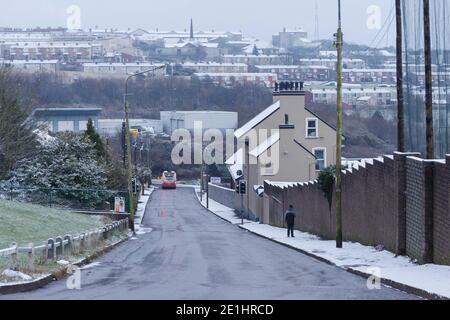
(192,254)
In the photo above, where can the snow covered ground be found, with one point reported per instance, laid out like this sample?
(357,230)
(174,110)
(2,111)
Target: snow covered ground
(140,212)
(434,279)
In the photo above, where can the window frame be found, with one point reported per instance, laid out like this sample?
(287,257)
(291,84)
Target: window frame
(307,120)
(324,157)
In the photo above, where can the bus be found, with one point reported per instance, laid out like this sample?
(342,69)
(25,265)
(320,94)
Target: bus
(169,180)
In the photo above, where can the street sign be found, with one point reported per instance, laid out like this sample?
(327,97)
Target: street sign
(119,205)
(216,180)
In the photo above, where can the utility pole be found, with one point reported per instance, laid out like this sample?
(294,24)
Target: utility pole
(339,47)
(428,80)
(400,96)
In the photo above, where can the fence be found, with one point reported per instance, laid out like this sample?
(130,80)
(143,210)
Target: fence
(400,202)
(60,247)
(65,198)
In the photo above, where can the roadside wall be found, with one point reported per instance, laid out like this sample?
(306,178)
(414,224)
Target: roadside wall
(222,195)
(400,202)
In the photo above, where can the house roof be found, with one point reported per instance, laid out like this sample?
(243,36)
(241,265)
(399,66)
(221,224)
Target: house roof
(257,120)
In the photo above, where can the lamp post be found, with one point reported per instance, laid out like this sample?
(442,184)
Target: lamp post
(128,142)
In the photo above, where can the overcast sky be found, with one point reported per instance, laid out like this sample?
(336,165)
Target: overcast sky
(258,18)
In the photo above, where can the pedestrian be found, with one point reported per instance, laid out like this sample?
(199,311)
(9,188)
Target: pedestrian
(290,221)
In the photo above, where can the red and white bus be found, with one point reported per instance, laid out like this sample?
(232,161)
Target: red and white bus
(169,180)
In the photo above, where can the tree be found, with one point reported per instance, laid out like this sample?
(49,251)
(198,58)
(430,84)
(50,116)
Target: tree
(66,163)
(326,180)
(95,138)
(17,140)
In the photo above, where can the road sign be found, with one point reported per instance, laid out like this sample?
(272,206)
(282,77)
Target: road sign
(119,205)
(216,180)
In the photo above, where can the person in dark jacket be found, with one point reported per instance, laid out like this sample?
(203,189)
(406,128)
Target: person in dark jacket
(290,220)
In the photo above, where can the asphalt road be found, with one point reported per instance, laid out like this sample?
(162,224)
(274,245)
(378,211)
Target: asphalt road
(193,255)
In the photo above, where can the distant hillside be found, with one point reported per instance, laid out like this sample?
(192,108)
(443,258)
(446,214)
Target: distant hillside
(147,97)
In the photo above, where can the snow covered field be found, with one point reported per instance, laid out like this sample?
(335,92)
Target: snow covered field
(27,223)
(434,279)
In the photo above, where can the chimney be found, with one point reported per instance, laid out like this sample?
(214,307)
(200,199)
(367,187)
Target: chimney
(289,91)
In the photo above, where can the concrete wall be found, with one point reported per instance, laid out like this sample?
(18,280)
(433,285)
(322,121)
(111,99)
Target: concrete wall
(400,202)
(222,195)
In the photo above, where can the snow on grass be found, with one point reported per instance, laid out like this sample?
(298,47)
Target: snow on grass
(27,223)
(431,278)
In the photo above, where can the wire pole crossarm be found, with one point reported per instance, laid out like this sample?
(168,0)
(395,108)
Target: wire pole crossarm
(339,47)
(128,142)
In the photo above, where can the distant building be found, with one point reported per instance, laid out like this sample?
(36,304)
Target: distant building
(32,66)
(255,60)
(295,72)
(378,76)
(122,68)
(61,50)
(112,127)
(230,79)
(65,119)
(362,96)
(222,120)
(215,67)
(331,63)
(288,39)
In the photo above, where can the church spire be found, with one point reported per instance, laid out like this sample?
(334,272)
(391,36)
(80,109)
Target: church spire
(192,30)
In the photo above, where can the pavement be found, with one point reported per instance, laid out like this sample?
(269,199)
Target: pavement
(187,253)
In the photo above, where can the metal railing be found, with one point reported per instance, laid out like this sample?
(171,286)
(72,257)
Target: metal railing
(62,246)
(65,198)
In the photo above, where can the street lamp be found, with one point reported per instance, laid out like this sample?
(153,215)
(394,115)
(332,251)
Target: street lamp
(128,142)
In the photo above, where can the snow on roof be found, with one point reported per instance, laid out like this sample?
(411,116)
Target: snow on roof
(265,145)
(364,98)
(29,61)
(212,64)
(369,70)
(251,56)
(121,64)
(256,120)
(278,66)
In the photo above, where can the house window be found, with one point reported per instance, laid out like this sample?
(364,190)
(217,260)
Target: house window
(312,128)
(321,154)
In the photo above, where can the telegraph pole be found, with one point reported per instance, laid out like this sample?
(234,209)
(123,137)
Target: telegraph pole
(400,96)
(339,47)
(428,80)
